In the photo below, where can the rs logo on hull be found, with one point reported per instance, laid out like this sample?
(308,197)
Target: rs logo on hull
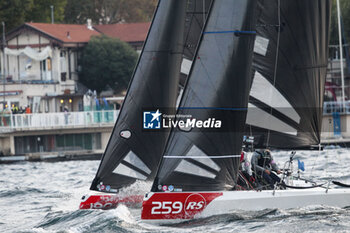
(195,203)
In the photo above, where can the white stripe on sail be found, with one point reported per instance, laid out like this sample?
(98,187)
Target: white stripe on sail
(134,160)
(259,118)
(265,92)
(126,171)
(192,169)
(195,151)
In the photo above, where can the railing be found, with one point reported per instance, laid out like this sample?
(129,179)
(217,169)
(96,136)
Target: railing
(56,120)
(332,107)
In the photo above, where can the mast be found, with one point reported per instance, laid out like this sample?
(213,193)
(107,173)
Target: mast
(217,88)
(4,62)
(341,54)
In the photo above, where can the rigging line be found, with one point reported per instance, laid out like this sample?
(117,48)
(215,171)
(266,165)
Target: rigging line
(232,31)
(214,108)
(276,61)
(203,12)
(202,157)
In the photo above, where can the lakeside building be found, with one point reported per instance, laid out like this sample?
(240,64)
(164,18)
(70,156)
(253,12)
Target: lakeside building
(42,63)
(41,72)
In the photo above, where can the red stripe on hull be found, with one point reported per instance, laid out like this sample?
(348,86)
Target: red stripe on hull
(176,205)
(109,201)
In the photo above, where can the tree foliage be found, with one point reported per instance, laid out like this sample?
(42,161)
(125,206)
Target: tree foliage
(78,11)
(109,11)
(13,12)
(345,13)
(16,12)
(41,11)
(107,62)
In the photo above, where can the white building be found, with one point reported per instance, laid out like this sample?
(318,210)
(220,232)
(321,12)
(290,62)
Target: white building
(41,66)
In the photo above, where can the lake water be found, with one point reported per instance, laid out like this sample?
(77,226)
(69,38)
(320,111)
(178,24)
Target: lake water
(44,197)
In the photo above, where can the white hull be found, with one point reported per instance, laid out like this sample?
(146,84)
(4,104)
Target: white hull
(231,201)
(280,199)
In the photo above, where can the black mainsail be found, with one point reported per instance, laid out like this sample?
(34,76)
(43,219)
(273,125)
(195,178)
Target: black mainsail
(132,154)
(290,63)
(218,87)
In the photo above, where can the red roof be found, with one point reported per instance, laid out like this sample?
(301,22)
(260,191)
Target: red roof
(128,32)
(68,33)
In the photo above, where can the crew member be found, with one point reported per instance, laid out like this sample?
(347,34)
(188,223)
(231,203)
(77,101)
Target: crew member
(263,164)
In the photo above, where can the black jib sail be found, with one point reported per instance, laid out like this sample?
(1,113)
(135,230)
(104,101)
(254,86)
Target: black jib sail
(290,63)
(218,87)
(131,153)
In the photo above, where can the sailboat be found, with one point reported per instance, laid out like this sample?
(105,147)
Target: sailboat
(199,168)
(134,149)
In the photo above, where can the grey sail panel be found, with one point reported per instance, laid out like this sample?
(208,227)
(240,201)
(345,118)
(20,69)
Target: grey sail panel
(133,154)
(290,63)
(218,85)
(196,15)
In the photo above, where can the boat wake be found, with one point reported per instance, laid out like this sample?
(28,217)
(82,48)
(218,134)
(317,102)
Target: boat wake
(137,188)
(124,219)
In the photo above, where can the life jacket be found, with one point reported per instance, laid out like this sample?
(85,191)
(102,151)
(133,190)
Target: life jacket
(264,161)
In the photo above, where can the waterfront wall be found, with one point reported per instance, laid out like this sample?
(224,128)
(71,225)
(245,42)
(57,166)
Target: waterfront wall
(56,132)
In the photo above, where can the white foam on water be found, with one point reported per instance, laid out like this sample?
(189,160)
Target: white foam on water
(123,213)
(138,188)
(41,230)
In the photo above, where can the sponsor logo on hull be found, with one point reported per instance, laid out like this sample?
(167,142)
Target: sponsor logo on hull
(176,205)
(105,202)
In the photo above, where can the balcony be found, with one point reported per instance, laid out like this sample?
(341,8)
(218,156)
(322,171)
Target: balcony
(44,121)
(336,107)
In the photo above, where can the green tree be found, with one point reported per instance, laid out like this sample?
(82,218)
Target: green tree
(345,13)
(41,11)
(78,11)
(109,11)
(13,12)
(107,62)
(135,10)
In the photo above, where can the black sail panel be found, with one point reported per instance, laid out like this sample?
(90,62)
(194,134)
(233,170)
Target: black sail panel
(131,153)
(196,15)
(290,63)
(218,87)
